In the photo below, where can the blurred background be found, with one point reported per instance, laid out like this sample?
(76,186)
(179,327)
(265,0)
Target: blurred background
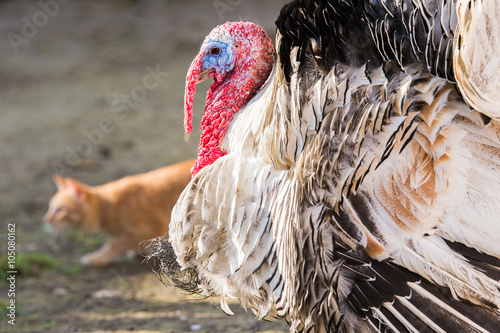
(74,101)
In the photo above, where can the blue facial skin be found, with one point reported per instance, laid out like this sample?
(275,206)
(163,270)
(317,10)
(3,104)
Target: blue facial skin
(223,62)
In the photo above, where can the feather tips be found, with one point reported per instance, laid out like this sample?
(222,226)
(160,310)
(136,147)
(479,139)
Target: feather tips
(477,54)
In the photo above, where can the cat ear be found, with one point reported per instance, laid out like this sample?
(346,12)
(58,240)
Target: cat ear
(59,181)
(78,190)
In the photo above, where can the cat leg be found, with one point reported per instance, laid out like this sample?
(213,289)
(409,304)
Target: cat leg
(113,249)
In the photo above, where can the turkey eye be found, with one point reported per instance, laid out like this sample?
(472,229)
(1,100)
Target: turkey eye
(215,51)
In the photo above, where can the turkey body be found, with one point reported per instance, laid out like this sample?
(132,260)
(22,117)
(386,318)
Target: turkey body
(360,189)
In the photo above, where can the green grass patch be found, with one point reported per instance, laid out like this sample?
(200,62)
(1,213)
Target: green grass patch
(30,263)
(4,303)
(71,270)
(86,242)
(43,326)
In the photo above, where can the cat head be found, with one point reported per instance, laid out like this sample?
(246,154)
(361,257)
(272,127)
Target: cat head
(69,207)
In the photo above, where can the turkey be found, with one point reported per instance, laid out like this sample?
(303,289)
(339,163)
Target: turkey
(353,183)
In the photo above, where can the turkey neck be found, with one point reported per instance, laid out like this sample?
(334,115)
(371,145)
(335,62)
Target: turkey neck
(224,99)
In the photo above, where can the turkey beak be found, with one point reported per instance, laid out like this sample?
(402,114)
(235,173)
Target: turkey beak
(204,74)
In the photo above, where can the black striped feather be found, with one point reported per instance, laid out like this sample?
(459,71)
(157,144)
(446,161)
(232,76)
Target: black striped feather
(354,33)
(390,298)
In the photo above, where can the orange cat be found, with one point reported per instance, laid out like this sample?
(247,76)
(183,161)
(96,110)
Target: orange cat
(128,210)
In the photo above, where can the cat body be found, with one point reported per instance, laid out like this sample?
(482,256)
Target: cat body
(128,210)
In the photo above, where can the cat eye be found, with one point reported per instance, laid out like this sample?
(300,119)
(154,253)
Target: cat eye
(61,210)
(215,51)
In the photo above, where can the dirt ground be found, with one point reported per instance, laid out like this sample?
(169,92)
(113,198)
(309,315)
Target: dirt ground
(94,90)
